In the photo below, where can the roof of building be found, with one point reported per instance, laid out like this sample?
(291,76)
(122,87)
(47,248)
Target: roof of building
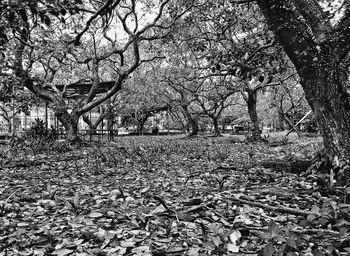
(81,89)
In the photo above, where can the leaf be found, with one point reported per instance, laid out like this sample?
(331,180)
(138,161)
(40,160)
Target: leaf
(243,218)
(341,223)
(274,229)
(142,250)
(145,190)
(315,209)
(62,252)
(127,244)
(101,233)
(47,20)
(95,215)
(292,242)
(79,241)
(193,251)
(232,248)
(235,236)
(22,224)
(216,240)
(269,250)
(23,15)
(76,200)
(159,209)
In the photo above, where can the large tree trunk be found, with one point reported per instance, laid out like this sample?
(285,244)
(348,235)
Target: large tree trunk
(141,124)
(69,121)
(110,124)
(72,132)
(216,126)
(320,54)
(71,126)
(92,126)
(253,114)
(194,127)
(280,124)
(321,65)
(325,91)
(192,122)
(9,124)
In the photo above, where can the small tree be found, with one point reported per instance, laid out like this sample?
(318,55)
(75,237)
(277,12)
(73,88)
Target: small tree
(13,101)
(289,102)
(44,46)
(215,99)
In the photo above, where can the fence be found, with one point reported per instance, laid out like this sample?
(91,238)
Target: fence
(110,135)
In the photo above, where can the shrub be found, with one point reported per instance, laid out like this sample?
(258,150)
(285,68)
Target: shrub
(38,139)
(39,131)
(155,130)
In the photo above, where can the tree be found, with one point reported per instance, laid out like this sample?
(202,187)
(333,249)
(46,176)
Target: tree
(104,111)
(183,95)
(317,42)
(250,92)
(45,42)
(180,83)
(139,100)
(13,101)
(289,101)
(215,97)
(230,40)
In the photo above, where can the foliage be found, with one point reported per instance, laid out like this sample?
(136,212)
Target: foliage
(311,125)
(56,46)
(149,195)
(323,33)
(331,173)
(37,140)
(39,131)
(281,241)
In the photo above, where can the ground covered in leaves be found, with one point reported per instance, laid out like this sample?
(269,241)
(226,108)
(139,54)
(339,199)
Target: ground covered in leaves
(170,196)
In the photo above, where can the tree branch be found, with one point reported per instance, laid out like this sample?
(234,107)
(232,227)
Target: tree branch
(291,31)
(259,49)
(315,17)
(99,12)
(342,45)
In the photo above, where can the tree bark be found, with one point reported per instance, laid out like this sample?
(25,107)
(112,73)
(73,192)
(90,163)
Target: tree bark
(217,131)
(253,114)
(69,121)
(110,124)
(280,124)
(320,54)
(140,126)
(330,102)
(92,126)
(194,127)
(193,123)
(9,127)
(70,124)
(292,127)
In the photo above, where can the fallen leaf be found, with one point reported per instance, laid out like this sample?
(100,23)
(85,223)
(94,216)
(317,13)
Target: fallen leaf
(95,215)
(232,248)
(126,244)
(62,252)
(235,236)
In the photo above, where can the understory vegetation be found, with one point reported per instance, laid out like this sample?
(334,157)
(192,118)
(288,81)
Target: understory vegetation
(172,196)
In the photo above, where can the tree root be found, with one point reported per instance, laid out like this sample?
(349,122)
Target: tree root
(280,209)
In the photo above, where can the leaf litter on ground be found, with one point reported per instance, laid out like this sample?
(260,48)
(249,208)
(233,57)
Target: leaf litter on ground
(169,196)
